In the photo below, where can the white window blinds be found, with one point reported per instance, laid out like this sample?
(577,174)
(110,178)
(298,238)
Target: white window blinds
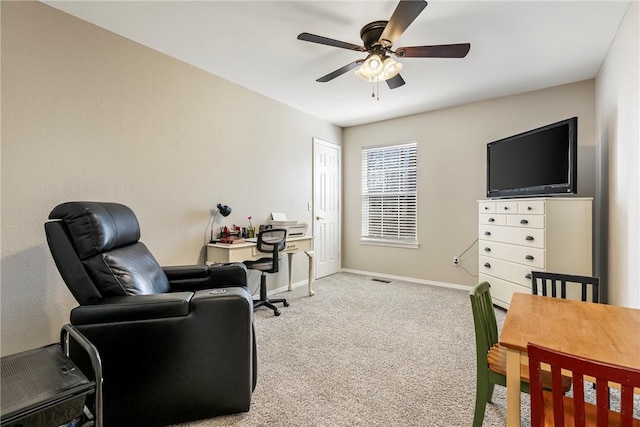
(389,194)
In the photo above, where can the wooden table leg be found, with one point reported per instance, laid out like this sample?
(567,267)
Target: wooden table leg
(513,388)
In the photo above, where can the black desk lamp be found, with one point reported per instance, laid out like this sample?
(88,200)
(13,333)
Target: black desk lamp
(223,210)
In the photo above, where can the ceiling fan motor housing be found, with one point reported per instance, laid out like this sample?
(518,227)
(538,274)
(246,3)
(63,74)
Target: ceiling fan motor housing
(370,33)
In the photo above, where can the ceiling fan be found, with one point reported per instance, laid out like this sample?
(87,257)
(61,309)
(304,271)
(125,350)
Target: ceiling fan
(378,38)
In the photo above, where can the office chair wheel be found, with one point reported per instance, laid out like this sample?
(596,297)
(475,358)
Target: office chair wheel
(286,303)
(276,312)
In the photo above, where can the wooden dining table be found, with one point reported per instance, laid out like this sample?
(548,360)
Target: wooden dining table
(602,332)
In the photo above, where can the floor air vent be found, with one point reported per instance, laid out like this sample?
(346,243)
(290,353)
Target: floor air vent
(375,279)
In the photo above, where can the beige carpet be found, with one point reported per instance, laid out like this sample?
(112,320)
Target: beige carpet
(366,353)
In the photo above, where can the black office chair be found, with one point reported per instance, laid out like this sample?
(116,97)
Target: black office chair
(273,241)
(548,283)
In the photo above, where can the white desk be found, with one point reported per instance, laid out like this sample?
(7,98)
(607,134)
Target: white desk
(239,252)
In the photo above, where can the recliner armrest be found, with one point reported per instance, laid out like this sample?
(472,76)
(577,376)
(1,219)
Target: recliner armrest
(133,308)
(230,274)
(183,272)
(217,276)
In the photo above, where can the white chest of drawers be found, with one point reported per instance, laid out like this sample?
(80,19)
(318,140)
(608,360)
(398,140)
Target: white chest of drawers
(517,236)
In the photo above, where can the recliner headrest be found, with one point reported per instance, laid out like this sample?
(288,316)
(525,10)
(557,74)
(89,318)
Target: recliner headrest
(93,228)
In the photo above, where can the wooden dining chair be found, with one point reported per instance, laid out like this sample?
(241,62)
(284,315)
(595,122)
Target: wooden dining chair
(553,408)
(491,357)
(556,284)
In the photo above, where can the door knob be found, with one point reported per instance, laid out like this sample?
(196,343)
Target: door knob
(319,218)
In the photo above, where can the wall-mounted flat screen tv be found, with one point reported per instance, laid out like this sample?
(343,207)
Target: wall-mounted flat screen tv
(539,162)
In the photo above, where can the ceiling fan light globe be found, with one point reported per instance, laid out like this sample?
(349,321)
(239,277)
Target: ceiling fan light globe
(372,66)
(378,67)
(391,69)
(363,76)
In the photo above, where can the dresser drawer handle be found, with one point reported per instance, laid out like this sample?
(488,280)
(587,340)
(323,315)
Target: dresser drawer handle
(529,238)
(487,265)
(524,221)
(487,249)
(529,208)
(506,208)
(486,208)
(487,233)
(491,220)
(527,276)
(529,257)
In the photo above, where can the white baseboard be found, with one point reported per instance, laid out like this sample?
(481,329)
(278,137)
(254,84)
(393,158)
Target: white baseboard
(408,279)
(380,275)
(285,288)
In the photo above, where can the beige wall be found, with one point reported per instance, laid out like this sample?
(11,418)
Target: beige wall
(451,175)
(90,115)
(618,132)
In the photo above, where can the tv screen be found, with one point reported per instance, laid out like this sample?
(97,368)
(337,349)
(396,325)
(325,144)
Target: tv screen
(539,162)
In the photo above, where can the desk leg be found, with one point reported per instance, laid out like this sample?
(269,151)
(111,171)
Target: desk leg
(290,256)
(513,388)
(310,255)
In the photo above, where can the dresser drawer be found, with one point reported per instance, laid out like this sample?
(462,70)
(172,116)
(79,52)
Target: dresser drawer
(493,219)
(532,257)
(509,271)
(486,207)
(533,207)
(530,237)
(501,290)
(507,207)
(530,221)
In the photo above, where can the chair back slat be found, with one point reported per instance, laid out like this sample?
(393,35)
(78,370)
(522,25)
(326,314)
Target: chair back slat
(484,318)
(558,398)
(627,378)
(557,284)
(578,409)
(627,405)
(602,401)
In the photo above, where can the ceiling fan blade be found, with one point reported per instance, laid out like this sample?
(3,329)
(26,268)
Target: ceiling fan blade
(437,51)
(395,82)
(307,37)
(406,12)
(340,71)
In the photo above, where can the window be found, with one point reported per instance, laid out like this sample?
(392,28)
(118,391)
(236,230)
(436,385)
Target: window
(390,195)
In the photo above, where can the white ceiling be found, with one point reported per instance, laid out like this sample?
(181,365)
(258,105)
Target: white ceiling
(516,46)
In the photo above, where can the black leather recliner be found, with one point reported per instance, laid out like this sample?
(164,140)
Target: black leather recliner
(176,343)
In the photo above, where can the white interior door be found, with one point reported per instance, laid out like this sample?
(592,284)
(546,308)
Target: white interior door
(326,207)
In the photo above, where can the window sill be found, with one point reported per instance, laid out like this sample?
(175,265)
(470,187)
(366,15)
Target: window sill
(390,243)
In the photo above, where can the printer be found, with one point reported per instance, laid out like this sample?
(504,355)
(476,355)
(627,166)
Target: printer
(294,228)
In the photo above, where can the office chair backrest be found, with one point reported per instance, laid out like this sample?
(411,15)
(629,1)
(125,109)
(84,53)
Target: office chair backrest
(548,283)
(273,241)
(96,249)
(561,408)
(484,320)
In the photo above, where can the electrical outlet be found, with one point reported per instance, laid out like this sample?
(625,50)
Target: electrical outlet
(456,261)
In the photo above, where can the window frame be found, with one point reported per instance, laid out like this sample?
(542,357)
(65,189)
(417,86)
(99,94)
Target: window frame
(396,184)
